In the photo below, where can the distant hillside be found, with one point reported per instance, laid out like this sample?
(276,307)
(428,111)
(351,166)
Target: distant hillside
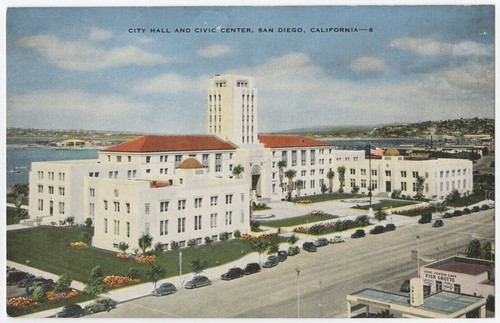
(454,128)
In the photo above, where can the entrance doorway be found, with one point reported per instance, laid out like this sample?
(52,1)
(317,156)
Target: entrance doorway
(256,180)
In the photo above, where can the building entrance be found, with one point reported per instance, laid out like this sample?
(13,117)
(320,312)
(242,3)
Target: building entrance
(256,180)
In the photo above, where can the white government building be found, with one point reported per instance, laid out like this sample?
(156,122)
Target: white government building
(178,188)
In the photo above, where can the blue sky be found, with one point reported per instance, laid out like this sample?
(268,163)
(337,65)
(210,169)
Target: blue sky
(81,68)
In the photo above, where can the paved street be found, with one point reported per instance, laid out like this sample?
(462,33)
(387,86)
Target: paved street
(326,277)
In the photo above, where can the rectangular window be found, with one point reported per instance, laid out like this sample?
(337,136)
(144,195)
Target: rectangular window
(62,176)
(363,171)
(388,173)
(61,207)
(61,191)
(148,159)
(181,204)
(353,182)
(161,226)
(128,229)
(51,189)
(439,286)
(164,206)
(374,172)
(119,159)
(127,205)
(303,173)
(229,217)
(374,184)
(213,200)
(414,174)
(197,202)
(40,205)
(105,225)
(92,191)
(147,207)
(457,288)
(229,199)
(403,186)
(352,171)
(91,209)
(181,225)
(117,206)
(313,183)
(197,222)
(213,220)
(40,188)
(40,175)
(403,173)
(363,183)
(165,227)
(105,205)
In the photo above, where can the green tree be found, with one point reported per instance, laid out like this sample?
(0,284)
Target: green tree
(96,287)
(62,284)
(341,171)
(155,273)
(299,184)
(123,246)
(290,174)
(255,226)
(292,239)
(238,171)
(272,247)
(330,175)
(441,207)
(88,223)
(473,249)
(420,180)
(260,247)
(362,221)
(198,266)
(145,242)
(281,165)
(70,220)
(485,252)
(20,191)
(39,295)
(96,272)
(380,215)
(453,198)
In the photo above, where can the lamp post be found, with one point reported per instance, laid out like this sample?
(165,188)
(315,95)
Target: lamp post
(418,257)
(297,269)
(180,267)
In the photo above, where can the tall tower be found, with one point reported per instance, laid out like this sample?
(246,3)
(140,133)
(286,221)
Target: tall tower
(232,109)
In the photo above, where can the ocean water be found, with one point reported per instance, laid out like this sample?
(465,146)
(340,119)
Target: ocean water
(19,158)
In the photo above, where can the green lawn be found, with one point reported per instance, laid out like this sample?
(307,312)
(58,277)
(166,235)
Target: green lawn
(328,197)
(48,249)
(303,219)
(12,217)
(386,204)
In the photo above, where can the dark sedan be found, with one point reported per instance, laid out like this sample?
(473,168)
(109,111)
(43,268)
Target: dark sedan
(72,310)
(233,273)
(377,230)
(360,233)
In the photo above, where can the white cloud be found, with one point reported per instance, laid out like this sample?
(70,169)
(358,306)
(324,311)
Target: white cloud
(78,55)
(213,51)
(369,64)
(77,102)
(99,34)
(170,83)
(428,46)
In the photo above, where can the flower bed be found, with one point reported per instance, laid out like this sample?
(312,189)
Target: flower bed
(78,244)
(248,237)
(145,259)
(21,302)
(62,296)
(316,213)
(421,210)
(328,227)
(116,281)
(303,202)
(123,256)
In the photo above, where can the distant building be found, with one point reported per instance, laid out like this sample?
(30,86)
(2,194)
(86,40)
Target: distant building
(144,185)
(460,275)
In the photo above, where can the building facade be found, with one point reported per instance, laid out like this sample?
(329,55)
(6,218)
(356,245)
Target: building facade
(135,187)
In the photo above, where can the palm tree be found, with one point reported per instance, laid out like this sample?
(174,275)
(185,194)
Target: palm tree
(20,190)
(330,175)
(299,184)
(380,215)
(238,170)
(123,246)
(155,273)
(198,266)
(145,242)
(453,198)
(260,247)
(292,239)
(290,174)
(281,165)
(441,207)
(420,185)
(341,171)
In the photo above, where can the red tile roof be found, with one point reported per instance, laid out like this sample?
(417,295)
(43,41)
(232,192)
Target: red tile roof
(190,163)
(172,143)
(288,141)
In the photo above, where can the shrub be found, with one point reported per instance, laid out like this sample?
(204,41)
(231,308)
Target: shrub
(174,245)
(62,284)
(254,225)
(39,295)
(191,243)
(237,233)
(208,240)
(223,236)
(96,272)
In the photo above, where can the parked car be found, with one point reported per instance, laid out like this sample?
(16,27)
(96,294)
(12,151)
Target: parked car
(282,255)
(309,246)
(405,287)
(321,242)
(165,289)
(251,268)
(100,305)
(14,276)
(198,281)
(72,310)
(466,211)
(293,250)
(438,223)
(447,215)
(377,229)
(485,207)
(47,285)
(390,227)
(272,261)
(476,208)
(336,239)
(360,233)
(233,273)
(424,219)
(25,281)
(457,213)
